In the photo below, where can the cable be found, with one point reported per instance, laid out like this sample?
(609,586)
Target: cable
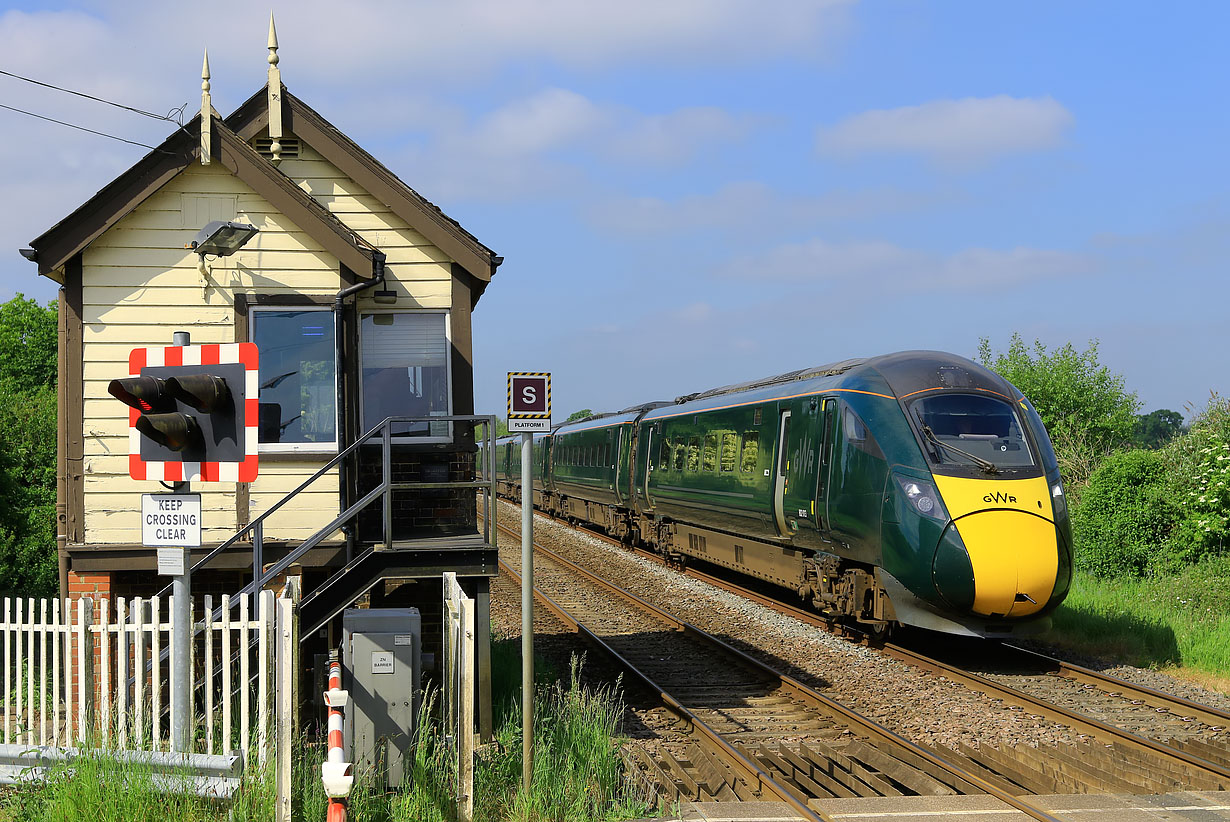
(142,112)
(83,128)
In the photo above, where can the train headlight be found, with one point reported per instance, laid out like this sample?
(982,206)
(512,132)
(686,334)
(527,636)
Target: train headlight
(1059,501)
(922,497)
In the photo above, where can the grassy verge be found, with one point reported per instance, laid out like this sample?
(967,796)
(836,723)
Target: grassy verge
(96,788)
(578,776)
(1178,622)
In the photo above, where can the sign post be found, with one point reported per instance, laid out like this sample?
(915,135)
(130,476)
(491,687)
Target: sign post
(529,411)
(178,558)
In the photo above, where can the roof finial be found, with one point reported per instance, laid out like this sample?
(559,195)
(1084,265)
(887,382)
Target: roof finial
(206,111)
(274,87)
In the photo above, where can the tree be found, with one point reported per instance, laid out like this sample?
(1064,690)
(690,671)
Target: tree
(579,415)
(1155,429)
(1086,408)
(28,459)
(27,343)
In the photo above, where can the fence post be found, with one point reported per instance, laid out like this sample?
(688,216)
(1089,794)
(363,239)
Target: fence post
(265,668)
(85,667)
(286,665)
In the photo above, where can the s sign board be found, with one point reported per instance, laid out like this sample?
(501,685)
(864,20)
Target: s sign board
(529,401)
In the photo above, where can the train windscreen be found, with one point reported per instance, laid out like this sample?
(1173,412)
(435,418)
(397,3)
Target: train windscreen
(971,429)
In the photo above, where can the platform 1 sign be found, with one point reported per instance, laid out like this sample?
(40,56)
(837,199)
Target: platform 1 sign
(529,401)
(171,520)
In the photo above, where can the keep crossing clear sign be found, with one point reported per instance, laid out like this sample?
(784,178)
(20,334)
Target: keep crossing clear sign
(171,520)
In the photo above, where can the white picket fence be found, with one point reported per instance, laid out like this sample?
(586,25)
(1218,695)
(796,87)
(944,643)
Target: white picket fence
(459,674)
(96,673)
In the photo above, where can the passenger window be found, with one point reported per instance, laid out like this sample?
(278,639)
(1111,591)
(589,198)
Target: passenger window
(751,451)
(709,456)
(606,455)
(730,450)
(681,452)
(664,456)
(856,431)
(694,454)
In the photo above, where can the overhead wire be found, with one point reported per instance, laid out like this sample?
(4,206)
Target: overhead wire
(82,128)
(177,119)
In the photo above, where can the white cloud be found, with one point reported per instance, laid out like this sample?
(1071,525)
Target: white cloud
(751,206)
(964,131)
(538,144)
(881,265)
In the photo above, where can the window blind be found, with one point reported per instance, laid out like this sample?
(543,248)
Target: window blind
(412,339)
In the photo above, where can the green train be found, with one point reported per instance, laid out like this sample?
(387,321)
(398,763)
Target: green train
(915,488)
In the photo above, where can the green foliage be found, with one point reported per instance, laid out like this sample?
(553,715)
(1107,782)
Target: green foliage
(1086,408)
(579,415)
(1199,464)
(1156,511)
(1155,429)
(97,788)
(1125,515)
(28,458)
(27,343)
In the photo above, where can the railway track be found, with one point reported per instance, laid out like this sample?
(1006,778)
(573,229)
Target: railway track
(1148,741)
(753,732)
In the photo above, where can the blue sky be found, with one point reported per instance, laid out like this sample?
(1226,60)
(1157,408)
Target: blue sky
(696,192)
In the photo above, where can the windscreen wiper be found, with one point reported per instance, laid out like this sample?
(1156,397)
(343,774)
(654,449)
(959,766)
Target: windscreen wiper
(986,465)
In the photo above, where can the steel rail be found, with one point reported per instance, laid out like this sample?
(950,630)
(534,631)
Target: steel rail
(801,690)
(751,773)
(1213,717)
(1056,713)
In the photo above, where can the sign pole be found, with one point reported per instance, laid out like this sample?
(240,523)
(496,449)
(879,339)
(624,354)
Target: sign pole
(181,639)
(527,609)
(529,411)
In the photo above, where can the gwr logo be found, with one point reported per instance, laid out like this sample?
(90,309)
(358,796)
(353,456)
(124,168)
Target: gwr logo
(999,497)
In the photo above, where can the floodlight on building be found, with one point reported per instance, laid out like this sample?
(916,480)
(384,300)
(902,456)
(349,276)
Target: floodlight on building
(385,296)
(222,238)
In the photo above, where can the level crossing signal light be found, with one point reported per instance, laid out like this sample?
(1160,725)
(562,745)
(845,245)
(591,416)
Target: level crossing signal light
(194,414)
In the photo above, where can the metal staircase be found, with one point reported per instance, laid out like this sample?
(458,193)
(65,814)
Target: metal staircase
(379,559)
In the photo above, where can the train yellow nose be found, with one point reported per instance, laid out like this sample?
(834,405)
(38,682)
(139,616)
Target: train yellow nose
(1015,559)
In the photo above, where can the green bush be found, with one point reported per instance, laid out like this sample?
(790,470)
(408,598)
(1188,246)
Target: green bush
(1125,517)
(1086,407)
(1199,463)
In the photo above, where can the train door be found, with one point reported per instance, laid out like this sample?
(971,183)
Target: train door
(828,432)
(779,474)
(648,463)
(617,454)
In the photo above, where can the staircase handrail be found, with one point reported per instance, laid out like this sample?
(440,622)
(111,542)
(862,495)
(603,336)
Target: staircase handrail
(384,428)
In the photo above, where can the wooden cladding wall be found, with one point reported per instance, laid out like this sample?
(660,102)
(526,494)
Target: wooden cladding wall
(140,283)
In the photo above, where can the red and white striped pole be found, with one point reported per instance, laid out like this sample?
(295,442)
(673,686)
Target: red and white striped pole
(335,770)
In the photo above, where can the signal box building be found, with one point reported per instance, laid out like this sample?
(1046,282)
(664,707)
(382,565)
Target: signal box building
(358,293)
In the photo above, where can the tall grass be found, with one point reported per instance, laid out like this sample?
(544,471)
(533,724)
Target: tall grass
(97,788)
(578,775)
(1176,620)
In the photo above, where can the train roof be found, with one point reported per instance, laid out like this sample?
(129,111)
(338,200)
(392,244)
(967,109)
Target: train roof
(892,376)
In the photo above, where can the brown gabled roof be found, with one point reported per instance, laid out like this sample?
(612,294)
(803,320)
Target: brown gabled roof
(420,214)
(118,198)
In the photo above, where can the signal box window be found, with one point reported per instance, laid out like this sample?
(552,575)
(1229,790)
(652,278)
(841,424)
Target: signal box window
(406,371)
(298,383)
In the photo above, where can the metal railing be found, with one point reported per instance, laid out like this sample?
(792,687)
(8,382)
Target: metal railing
(384,490)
